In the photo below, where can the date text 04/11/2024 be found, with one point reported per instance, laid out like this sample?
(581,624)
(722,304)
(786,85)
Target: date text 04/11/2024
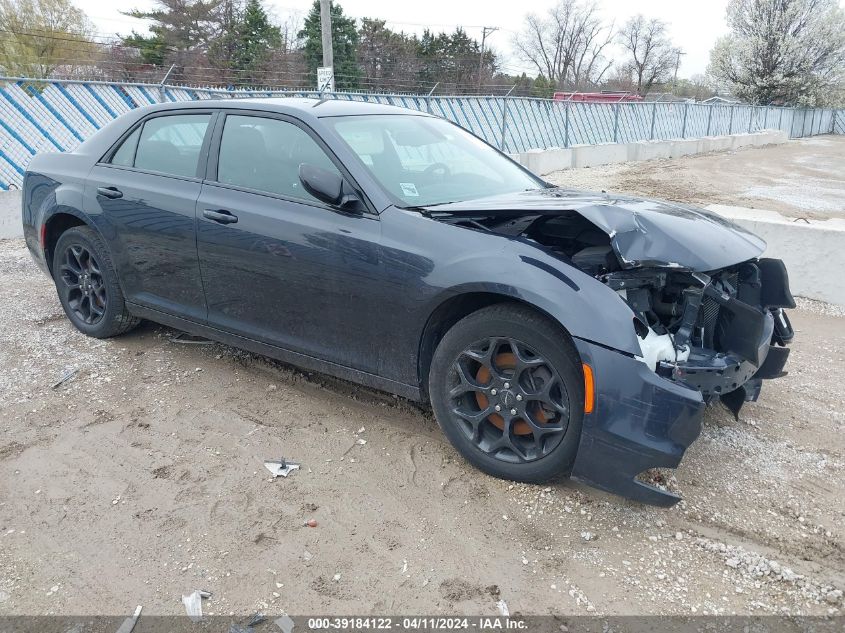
(416,623)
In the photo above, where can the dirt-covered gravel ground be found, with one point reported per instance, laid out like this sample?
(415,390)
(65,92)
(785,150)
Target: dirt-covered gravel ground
(801,178)
(140,479)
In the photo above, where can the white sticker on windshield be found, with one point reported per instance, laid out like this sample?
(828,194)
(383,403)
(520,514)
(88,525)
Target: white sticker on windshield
(409,189)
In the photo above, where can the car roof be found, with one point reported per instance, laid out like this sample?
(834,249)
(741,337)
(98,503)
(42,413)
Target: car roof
(293,105)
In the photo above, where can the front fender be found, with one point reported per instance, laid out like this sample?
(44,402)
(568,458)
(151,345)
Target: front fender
(427,263)
(585,307)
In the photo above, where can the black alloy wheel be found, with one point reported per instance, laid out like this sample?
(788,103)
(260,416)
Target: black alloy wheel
(87,284)
(508,400)
(507,388)
(81,281)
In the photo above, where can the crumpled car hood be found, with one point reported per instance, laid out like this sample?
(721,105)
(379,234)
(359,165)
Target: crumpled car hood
(642,232)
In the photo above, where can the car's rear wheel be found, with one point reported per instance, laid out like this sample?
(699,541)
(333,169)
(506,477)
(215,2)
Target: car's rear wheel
(87,285)
(507,389)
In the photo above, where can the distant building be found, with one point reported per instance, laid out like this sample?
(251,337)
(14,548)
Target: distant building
(721,100)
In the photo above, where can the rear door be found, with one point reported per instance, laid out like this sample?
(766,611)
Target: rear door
(279,266)
(143,197)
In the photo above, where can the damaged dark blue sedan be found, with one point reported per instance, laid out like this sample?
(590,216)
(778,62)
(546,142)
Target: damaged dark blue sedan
(554,332)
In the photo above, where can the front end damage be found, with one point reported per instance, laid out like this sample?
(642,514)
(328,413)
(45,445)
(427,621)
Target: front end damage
(703,338)
(721,333)
(708,313)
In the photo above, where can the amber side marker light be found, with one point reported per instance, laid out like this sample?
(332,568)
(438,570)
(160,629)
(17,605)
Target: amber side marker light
(589,389)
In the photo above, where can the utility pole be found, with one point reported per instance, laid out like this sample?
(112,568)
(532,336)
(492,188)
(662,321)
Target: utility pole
(485,31)
(678,53)
(328,51)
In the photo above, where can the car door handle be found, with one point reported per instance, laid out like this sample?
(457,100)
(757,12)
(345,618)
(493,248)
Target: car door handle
(109,192)
(220,215)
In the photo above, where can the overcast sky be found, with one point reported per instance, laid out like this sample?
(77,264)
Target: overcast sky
(694,26)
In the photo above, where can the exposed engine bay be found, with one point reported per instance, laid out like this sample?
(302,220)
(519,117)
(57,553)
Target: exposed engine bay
(721,332)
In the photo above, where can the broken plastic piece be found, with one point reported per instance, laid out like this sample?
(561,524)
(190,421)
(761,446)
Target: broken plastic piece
(255,620)
(70,373)
(129,623)
(284,623)
(189,339)
(734,400)
(193,604)
(280,467)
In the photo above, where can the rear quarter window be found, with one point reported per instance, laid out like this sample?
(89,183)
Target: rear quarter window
(125,154)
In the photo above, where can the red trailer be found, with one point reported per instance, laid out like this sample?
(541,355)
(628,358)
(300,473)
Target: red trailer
(597,97)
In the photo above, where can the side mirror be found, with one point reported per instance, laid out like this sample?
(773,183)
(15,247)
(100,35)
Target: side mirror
(328,187)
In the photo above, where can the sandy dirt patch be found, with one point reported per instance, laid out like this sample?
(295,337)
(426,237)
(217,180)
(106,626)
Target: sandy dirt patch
(141,479)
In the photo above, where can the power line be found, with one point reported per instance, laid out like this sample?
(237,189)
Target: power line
(220,74)
(85,40)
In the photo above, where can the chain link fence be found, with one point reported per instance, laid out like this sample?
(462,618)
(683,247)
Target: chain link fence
(55,116)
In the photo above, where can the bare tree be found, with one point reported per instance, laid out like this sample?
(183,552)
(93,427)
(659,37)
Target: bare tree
(782,51)
(566,44)
(39,38)
(651,56)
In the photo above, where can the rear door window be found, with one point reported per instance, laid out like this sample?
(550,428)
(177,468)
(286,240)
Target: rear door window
(167,144)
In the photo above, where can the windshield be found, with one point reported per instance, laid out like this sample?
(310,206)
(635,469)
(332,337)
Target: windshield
(423,161)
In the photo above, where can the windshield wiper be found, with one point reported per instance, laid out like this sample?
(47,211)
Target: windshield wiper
(439,204)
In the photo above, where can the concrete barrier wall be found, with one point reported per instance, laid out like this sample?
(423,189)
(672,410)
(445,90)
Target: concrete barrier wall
(546,161)
(813,251)
(10,215)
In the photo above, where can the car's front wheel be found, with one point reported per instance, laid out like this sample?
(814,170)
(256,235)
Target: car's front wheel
(507,389)
(87,285)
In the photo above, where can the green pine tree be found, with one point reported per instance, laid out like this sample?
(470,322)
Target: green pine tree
(344,44)
(245,46)
(256,39)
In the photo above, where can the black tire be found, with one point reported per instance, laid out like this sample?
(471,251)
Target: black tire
(87,285)
(553,435)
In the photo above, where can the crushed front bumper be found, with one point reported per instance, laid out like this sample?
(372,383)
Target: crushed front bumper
(715,373)
(640,420)
(644,419)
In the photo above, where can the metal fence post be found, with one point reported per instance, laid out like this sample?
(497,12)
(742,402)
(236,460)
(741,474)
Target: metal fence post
(653,117)
(164,81)
(505,118)
(616,122)
(812,121)
(684,124)
(731,121)
(504,124)
(566,125)
(709,118)
(428,98)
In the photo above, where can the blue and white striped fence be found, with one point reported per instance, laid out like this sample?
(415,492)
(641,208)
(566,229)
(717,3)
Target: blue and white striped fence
(55,116)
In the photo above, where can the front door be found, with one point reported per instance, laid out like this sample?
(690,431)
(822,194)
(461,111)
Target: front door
(143,200)
(277,265)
